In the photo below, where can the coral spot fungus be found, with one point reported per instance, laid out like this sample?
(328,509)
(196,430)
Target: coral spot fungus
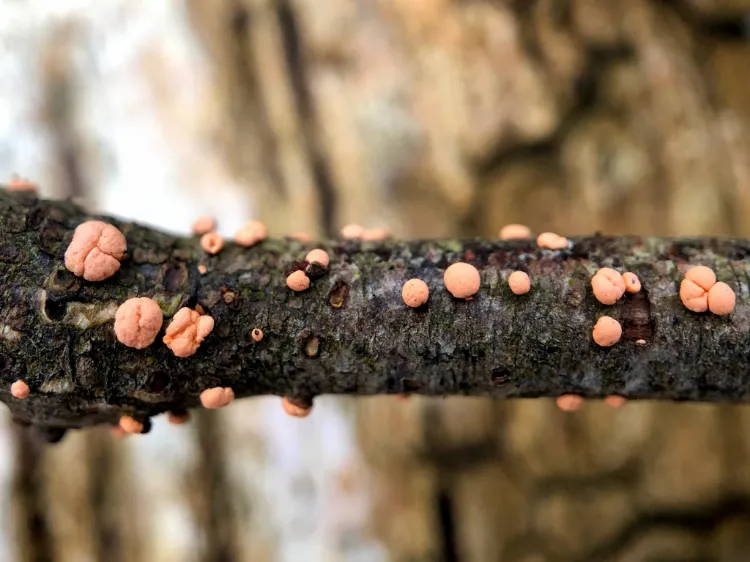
(212,243)
(217,397)
(608,285)
(519,283)
(351,231)
(552,241)
(256,334)
(130,425)
(721,299)
(250,233)
(20,389)
(298,281)
(204,225)
(462,280)
(569,402)
(607,331)
(295,409)
(615,401)
(95,251)
(318,256)
(695,286)
(137,322)
(514,232)
(187,331)
(415,293)
(632,283)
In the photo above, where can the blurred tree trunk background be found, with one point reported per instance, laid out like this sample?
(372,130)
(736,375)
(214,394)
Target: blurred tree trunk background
(431,118)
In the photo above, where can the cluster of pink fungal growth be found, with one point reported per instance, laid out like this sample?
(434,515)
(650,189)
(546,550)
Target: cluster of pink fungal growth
(699,291)
(519,283)
(18,183)
(574,402)
(515,232)
(552,241)
(302,236)
(178,419)
(137,322)
(462,280)
(256,334)
(212,243)
(318,256)
(415,293)
(607,331)
(250,233)
(95,251)
(298,281)
(19,389)
(355,231)
(204,225)
(294,409)
(130,425)
(217,397)
(608,285)
(187,331)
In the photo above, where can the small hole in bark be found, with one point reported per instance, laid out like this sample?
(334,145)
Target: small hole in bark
(55,310)
(338,295)
(500,375)
(300,401)
(312,346)
(158,382)
(315,270)
(174,277)
(49,434)
(410,385)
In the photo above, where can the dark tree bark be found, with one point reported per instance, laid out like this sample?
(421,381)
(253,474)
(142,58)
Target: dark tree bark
(351,332)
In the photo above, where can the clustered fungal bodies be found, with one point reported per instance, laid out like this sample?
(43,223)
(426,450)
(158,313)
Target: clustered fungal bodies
(608,286)
(295,409)
(569,402)
(462,280)
(18,183)
(187,331)
(256,334)
(298,281)
(607,331)
(204,225)
(318,256)
(552,241)
(519,283)
(217,397)
(357,232)
(250,233)
(130,425)
(212,243)
(415,293)
(137,322)
(95,251)
(19,389)
(515,232)
(699,291)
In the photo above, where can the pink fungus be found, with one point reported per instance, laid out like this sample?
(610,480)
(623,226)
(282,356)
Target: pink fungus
(178,419)
(20,390)
(415,293)
(632,283)
(462,280)
(95,251)
(204,224)
(319,256)
(569,402)
(256,334)
(298,281)
(118,432)
(607,331)
(202,269)
(250,233)
(721,299)
(301,236)
(295,410)
(217,397)
(374,234)
(137,322)
(519,283)
(695,286)
(515,231)
(130,425)
(352,231)
(187,331)
(615,401)
(608,285)
(552,241)
(702,276)
(18,183)
(212,243)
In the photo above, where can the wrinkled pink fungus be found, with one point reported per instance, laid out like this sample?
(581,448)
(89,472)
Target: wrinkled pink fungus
(462,280)
(608,285)
(552,241)
(695,286)
(569,402)
(202,269)
(250,233)
(721,299)
(514,232)
(178,419)
(302,236)
(632,283)
(137,322)
(319,256)
(415,293)
(217,397)
(20,390)
(519,283)
(607,331)
(256,334)
(118,432)
(212,243)
(95,251)
(204,224)
(295,410)
(615,401)
(298,281)
(352,231)
(17,183)
(130,425)
(187,331)
(374,234)
(702,276)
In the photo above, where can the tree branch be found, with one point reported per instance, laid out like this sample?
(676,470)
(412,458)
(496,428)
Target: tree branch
(351,332)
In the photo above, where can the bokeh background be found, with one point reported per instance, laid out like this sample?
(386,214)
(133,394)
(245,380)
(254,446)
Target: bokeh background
(432,118)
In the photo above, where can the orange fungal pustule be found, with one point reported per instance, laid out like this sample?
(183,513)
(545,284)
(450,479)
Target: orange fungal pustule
(615,401)
(130,425)
(17,183)
(519,282)
(187,331)
(95,251)
(374,234)
(318,256)
(20,389)
(256,334)
(462,280)
(607,331)
(295,410)
(204,224)
(569,402)
(702,276)
(515,232)
(552,241)
(632,283)
(137,322)
(250,233)
(608,285)
(212,243)
(721,299)
(178,419)
(352,231)
(217,397)
(415,293)
(298,281)
(695,286)
(302,236)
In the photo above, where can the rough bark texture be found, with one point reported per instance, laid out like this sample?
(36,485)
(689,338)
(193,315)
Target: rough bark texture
(351,332)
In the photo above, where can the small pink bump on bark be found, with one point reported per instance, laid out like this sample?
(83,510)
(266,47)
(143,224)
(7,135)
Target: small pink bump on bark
(319,256)
(640,342)
(118,432)
(95,251)
(178,419)
(256,334)
(302,236)
(130,425)
(352,231)
(552,241)
(519,283)
(18,183)
(514,232)
(702,276)
(693,296)
(632,283)
(569,402)
(20,390)
(607,331)
(204,224)
(721,299)
(202,269)
(615,401)
(187,331)
(415,293)
(608,285)
(295,410)
(298,281)
(462,280)
(212,243)
(250,233)
(137,322)
(374,234)
(217,397)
